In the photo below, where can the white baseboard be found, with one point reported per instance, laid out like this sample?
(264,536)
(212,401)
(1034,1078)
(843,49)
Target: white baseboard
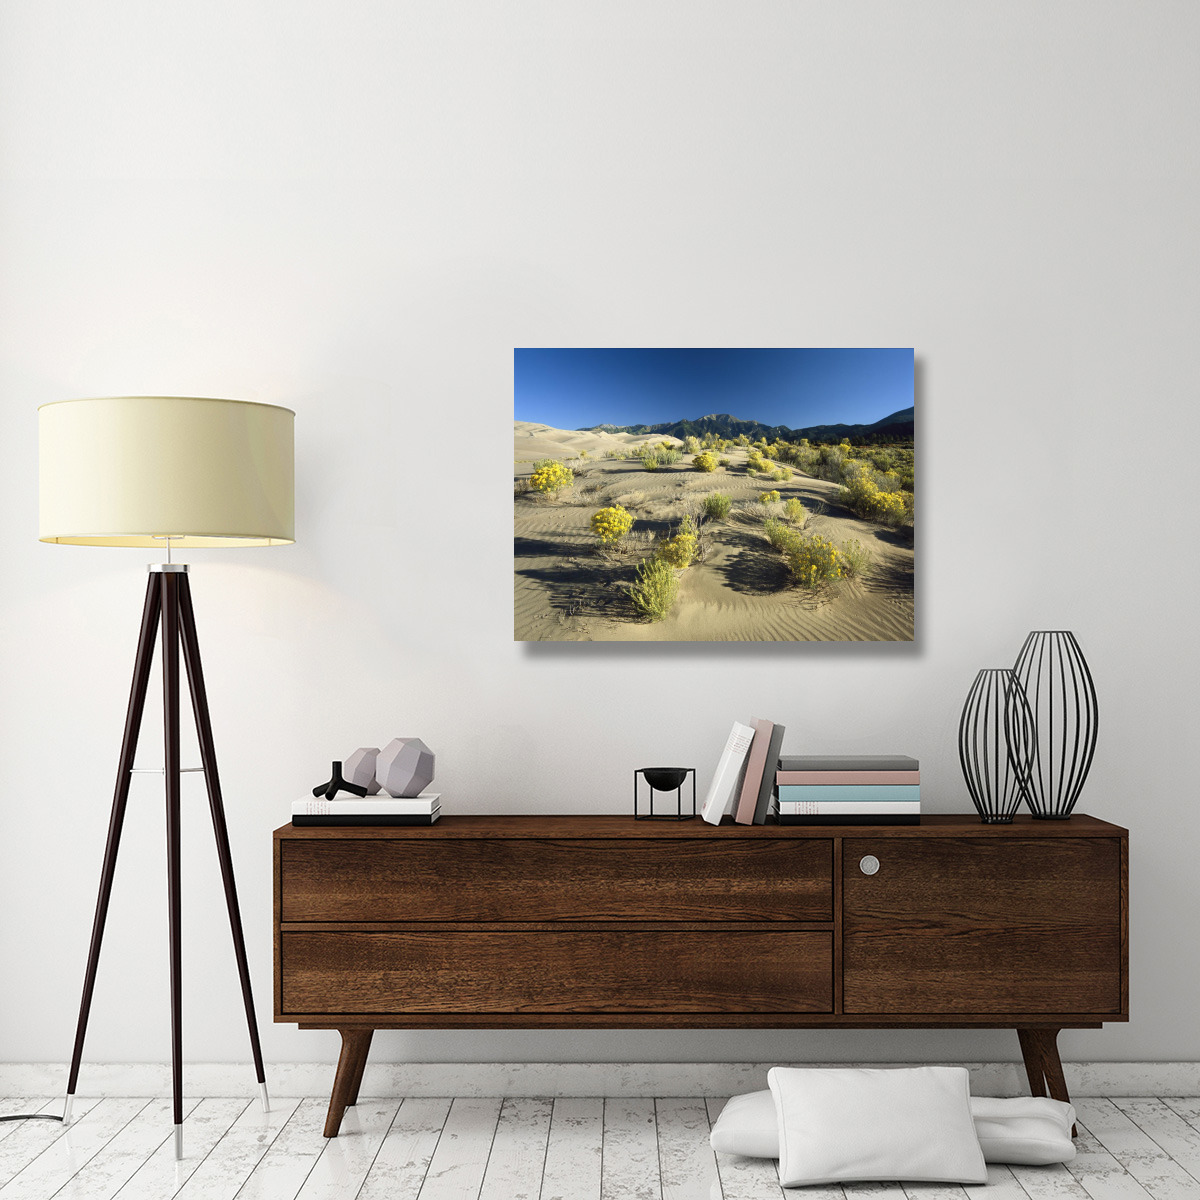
(549,1079)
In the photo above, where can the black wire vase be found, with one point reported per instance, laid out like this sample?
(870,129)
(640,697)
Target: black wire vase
(1055,676)
(995,744)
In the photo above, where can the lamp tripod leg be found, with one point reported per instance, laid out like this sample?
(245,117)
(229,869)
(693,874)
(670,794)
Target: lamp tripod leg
(208,759)
(151,612)
(170,665)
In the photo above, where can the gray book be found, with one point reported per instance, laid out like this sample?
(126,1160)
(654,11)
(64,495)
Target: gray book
(767,787)
(848,762)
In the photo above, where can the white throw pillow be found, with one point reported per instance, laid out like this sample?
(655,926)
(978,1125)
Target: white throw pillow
(1030,1130)
(853,1123)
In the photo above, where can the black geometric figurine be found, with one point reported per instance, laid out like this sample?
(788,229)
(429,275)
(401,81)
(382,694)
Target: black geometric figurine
(337,784)
(664,779)
(995,744)
(1055,677)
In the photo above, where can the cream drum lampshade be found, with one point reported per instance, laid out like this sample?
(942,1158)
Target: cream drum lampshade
(136,470)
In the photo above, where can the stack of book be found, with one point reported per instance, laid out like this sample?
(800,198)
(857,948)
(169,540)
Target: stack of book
(744,784)
(856,789)
(368,810)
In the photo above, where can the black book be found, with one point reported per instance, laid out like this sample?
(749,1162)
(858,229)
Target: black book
(301,819)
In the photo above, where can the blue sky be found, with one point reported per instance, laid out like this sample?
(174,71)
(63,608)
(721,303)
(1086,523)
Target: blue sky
(574,389)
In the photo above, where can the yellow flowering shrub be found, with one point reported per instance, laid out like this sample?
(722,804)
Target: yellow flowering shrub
(679,550)
(768,497)
(705,462)
(610,525)
(717,505)
(550,477)
(813,560)
(794,510)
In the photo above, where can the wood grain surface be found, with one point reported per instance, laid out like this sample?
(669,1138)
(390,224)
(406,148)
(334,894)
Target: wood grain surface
(967,926)
(546,879)
(579,970)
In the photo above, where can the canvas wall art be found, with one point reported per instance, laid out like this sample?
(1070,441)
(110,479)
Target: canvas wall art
(714,495)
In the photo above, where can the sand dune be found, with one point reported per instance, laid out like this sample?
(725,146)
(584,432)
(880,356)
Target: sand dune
(565,591)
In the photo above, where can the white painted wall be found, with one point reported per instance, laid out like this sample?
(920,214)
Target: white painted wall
(358,210)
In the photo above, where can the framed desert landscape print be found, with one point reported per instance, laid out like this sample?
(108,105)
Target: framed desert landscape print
(710,495)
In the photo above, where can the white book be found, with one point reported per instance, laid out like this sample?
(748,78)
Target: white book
(382,806)
(849,808)
(726,784)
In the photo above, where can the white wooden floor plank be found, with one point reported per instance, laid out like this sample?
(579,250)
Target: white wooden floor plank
(1188,1107)
(1001,1185)
(1170,1131)
(221,1175)
(687,1166)
(518,1157)
(574,1150)
(400,1166)
(343,1165)
(30,1138)
(873,1191)
(744,1178)
(1053,1182)
(458,1164)
(629,1170)
(105,1175)
(1102,1176)
(160,1176)
(1138,1153)
(282,1170)
(11,1105)
(67,1155)
(934,1191)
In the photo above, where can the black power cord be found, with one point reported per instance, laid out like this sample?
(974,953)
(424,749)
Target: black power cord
(31,1117)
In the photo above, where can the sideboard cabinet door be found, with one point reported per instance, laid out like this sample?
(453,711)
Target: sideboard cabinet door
(982,925)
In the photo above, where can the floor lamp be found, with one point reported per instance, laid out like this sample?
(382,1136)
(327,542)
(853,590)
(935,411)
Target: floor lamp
(178,472)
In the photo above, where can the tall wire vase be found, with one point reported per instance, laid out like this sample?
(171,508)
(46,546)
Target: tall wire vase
(995,744)
(1055,676)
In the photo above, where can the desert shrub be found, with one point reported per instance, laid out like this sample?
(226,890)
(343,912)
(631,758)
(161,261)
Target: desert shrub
(550,477)
(780,474)
(724,462)
(680,550)
(520,487)
(717,505)
(768,497)
(861,494)
(756,462)
(616,453)
(669,456)
(794,510)
(583,454)
(691,445)
(857,557)
(812,559)
(655,589)
(610,525)
(650,462)
(780,535)
(704,462)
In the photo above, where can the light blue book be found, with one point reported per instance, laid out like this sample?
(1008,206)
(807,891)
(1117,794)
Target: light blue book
(852,793)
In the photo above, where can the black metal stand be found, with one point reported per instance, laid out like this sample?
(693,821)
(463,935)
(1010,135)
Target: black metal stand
(169,602)
(664,779)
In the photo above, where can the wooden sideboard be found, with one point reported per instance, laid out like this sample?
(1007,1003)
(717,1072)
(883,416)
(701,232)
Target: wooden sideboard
(607,922)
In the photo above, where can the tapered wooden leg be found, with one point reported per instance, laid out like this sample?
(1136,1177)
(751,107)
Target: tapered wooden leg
(1031,1053)
(133,725)
(355,1044)
(169,649)
(1043,1066)
(358,1074)
(208,759)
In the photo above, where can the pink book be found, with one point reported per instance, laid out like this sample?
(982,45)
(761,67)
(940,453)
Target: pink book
(756,764)
(857,777)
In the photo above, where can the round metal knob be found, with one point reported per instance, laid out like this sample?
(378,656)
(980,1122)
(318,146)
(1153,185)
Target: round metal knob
(868,864)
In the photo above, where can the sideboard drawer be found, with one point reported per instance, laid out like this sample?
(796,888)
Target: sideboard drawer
(580,970)
(751,879)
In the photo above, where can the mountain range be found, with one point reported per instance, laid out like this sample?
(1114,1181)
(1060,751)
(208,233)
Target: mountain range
(897,427)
